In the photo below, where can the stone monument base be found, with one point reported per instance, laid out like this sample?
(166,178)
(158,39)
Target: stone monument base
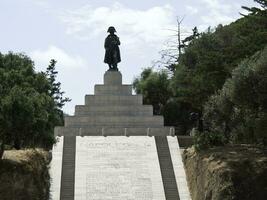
(141,161)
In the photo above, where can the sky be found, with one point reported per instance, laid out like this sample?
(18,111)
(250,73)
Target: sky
(73,32)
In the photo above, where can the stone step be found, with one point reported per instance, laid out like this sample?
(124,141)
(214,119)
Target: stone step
(111,131)
(93,100)
(113,89)
(166,167)
(68,169)
(114,121)
(110,110)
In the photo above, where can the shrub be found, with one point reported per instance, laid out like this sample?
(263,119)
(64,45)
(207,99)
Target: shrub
(239,110)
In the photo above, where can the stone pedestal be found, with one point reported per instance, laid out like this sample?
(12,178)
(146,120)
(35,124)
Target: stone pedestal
(112,78)
(113,110)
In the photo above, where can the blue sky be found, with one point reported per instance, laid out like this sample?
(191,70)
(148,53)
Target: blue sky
(73,32)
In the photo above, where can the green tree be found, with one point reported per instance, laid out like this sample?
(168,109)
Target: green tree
(155,88)
(28,109)
(239,110)
(209,59)
(178,114)
(55,90)
(156,91)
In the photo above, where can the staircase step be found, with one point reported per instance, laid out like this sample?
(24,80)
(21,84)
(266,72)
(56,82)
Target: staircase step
(110,110)
(125,121)
(93,100)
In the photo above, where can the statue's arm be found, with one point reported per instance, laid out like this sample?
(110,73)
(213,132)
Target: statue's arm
(118,40)
(106,44)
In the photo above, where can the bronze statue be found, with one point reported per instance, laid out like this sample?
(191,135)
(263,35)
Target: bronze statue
(112,55)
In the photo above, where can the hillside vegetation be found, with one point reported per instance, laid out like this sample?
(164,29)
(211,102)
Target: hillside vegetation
(30,105)
(217,88)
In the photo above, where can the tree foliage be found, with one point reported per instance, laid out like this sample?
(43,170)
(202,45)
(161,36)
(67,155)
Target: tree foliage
(155,88)
(200,75)
(55,87)
(29,104)
(209,59)
(239,110)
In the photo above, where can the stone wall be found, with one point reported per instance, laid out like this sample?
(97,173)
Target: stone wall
(227,173)
(24,175)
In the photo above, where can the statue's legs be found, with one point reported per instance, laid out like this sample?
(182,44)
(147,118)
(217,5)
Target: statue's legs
(111,67)
(115,66)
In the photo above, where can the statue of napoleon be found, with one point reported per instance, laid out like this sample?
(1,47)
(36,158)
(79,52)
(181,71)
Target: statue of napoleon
(112,55)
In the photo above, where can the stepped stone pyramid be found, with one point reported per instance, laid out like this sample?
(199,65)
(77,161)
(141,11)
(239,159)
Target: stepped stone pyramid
(113,110)
(86,165)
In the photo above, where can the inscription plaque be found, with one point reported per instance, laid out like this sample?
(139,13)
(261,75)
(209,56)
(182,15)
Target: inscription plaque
(117,168)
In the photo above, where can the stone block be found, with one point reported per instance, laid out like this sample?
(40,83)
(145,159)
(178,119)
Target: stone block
(93,100)
(185,141)
(112,110)
(93,131)
(113,89)
(63,131)
(136,131)
(161,131)
(112,78)
(113,131)
(114,121)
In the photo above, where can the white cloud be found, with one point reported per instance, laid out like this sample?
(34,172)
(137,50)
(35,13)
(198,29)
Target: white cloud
(218,12)
(215,17)
(42,3)
(66,61)
(217,5)
(134,26)
(192,10)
